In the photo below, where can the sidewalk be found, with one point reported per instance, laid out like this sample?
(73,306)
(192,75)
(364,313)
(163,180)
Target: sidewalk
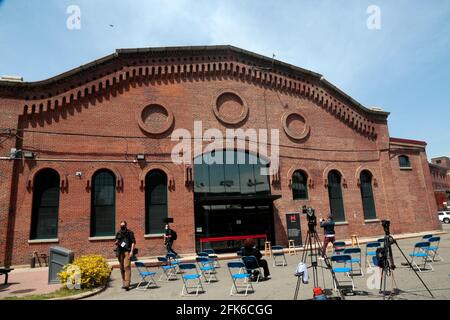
(26,281)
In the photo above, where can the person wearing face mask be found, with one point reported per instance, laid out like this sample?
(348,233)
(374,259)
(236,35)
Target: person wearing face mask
(125,243)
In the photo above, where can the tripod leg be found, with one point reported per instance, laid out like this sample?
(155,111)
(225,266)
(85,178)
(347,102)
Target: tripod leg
(297,288)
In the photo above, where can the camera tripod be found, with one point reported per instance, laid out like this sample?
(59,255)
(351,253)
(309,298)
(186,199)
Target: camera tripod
(388,265)
(313,247)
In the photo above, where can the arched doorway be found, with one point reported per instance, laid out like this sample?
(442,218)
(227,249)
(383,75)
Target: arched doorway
(232,197)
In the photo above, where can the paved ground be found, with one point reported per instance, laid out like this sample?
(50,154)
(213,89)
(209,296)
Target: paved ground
(283,283)
(27,281)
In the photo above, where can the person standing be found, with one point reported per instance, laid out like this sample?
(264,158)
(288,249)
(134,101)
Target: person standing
(330,236)
(169,237)
(125,242)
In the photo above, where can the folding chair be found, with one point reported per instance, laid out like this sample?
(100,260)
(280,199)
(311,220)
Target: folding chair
(338,247)
(433,249)
(194,276)
(355,255)
(427,237)
(371,251)
(212,255)
(169,270)
(173,261)
(421,252)
(251,264)
(277,252)
(144,273)
(381,242)
(346,269)
(240,279)
(207,269)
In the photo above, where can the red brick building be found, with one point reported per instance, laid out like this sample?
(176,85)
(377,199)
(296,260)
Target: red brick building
(440,176)
(69,145)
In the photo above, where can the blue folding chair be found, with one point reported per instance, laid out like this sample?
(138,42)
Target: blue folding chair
(371,250)
(420,252)
(241,279)
(356,257)
(174,261)
(212,255)
(191,275)
(338,247)
(207,269)
(346,268)
(146,276)
(169,270)
(252,265)
(433,249)
(381,242)
(427,236)
(277,252)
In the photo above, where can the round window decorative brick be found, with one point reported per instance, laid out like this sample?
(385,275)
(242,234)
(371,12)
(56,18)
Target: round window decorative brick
(155,119)
(230,108)
(295,125)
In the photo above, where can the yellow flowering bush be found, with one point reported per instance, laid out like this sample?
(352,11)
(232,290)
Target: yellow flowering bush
(94,271)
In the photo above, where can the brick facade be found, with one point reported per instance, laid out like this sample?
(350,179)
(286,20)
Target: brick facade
(87,119)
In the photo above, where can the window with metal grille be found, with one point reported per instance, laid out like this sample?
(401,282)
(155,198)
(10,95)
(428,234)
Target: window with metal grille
(44,218)
(156,207)
(335,196)
(367,195)
(404,162)
(103,211)
(299,185)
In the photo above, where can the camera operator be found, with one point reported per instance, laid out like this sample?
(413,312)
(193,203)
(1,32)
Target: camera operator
(328,227)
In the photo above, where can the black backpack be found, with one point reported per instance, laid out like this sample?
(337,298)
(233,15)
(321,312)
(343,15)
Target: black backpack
(381,257)
(174,235)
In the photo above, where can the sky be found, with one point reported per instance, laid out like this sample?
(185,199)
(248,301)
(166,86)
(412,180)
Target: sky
(401,66)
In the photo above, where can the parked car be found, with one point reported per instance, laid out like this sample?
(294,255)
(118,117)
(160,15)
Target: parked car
(444,216)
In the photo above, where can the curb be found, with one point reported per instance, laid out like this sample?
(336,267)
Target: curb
(85,294)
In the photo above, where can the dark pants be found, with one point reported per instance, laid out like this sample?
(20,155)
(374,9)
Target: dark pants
(326,242)
(263,263)
(169,248)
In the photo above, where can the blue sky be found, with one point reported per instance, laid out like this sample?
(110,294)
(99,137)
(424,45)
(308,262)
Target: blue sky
(403,68)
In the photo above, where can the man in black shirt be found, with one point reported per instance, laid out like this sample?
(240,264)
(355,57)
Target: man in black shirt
(169,239)
(125,243)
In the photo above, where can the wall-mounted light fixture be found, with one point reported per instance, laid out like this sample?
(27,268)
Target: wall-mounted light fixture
(140,157)
(28,155)
(78,174)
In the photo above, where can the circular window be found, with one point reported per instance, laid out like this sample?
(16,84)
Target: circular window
(295,126)
(230,108)
(155,119)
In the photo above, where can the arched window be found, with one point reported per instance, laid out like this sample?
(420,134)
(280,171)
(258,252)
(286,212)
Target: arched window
(335,195)
(230,173)
(103,202)
(404,162)
(299,185)
(155,201)
(365,179)
(44,218)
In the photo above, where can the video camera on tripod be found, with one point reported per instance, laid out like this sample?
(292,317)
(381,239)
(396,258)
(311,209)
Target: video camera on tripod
(311,217)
